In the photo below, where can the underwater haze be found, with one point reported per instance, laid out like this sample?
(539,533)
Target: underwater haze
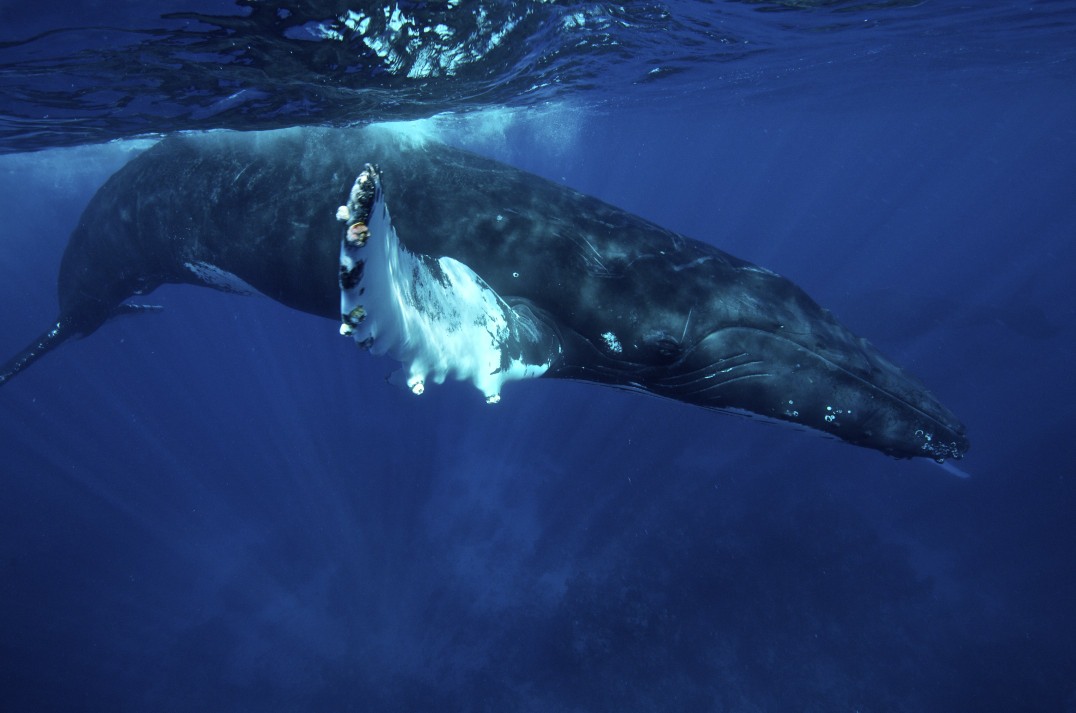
(225,507)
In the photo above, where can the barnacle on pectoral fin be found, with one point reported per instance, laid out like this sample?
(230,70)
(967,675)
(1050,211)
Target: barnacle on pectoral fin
(435,316)
(357,233)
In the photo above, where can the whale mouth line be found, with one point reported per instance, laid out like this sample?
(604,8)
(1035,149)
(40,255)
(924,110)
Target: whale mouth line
(716,374)
(738,360)
(953,427)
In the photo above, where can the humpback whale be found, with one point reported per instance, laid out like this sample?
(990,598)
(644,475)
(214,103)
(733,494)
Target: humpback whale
(458,266)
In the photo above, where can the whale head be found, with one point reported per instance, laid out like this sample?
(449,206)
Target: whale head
(853,393)
(756,344)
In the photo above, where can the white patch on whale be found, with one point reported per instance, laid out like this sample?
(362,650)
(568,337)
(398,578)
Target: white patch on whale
(612,343)
(437,317)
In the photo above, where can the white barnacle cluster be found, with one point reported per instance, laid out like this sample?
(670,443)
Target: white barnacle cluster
(612,343)
(939,450)
(438,318)
(936,448)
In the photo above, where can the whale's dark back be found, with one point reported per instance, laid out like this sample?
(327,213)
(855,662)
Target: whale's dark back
(208,200)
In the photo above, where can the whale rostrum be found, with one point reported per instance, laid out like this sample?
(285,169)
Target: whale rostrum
(461,267)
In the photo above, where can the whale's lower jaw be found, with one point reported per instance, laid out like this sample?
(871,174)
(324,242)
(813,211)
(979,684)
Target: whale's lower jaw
(776,377)
(752,372)
(435,316)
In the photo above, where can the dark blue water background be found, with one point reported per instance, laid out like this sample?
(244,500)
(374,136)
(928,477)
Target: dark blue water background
(225,507)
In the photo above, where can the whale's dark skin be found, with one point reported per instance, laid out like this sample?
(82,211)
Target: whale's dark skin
(633,305)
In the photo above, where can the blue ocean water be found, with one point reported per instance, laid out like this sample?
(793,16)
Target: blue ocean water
(225,507)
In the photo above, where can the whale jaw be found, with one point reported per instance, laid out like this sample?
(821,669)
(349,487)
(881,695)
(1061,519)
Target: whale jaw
(866,401)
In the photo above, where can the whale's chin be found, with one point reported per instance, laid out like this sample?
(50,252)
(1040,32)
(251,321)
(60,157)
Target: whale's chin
(858,396)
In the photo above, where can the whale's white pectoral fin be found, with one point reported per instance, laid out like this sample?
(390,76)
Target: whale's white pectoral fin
(434,315)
